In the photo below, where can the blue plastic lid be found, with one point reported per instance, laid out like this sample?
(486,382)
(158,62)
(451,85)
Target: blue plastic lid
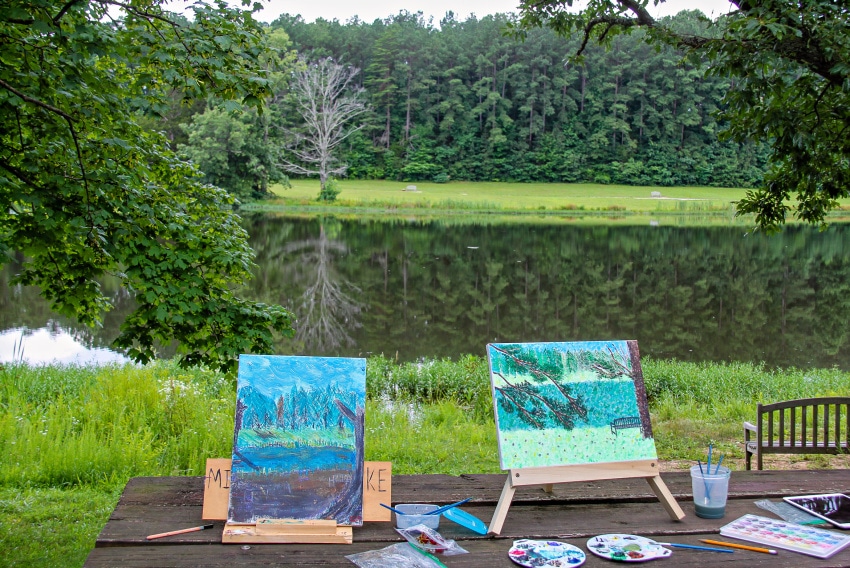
(465,519)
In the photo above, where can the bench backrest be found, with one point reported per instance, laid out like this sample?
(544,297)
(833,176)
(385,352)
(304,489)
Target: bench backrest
(805,423)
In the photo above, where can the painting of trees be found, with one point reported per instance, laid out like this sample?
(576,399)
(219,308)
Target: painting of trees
(569,403)
(298,447)
(530,397)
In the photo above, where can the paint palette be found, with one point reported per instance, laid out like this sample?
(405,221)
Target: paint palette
(626,548)
(790,536)
(546,553)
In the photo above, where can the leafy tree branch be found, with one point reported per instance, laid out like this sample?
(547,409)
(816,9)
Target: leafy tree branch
(789,64)
(85,191)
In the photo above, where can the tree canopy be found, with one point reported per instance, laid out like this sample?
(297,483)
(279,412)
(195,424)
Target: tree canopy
(85,191)
(466,102)
(790,68)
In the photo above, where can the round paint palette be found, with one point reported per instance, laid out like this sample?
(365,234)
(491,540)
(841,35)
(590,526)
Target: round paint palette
(626,548)
(546,553)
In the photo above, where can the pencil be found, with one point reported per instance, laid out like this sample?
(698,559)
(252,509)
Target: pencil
(181,531)
(741,546)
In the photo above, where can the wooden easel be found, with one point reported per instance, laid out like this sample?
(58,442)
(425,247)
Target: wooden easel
(287,531)
(548,476)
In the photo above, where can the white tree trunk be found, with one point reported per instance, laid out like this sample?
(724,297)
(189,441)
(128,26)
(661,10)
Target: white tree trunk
(329,106)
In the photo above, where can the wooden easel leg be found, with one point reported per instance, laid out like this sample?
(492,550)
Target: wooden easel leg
(502,508)
(666,498)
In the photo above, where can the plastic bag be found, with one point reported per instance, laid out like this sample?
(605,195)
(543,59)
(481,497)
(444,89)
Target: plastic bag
(430,540)
(399,555)
(789,513)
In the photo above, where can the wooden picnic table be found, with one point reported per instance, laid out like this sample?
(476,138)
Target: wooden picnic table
(572,513)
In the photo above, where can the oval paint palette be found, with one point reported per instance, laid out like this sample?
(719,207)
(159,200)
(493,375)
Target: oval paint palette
(626,548)
(546,553)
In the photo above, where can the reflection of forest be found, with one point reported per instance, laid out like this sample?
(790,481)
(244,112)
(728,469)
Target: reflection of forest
(689,293)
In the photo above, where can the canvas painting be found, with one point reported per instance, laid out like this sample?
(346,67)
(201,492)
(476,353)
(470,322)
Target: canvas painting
(569,403)
(298,439)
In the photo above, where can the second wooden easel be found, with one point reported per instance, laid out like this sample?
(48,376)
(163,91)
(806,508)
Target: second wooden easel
(549,476)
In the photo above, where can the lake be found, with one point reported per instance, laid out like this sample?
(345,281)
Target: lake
(412,289)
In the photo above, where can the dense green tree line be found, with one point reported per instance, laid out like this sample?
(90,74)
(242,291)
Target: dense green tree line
(788,64)
(465,101)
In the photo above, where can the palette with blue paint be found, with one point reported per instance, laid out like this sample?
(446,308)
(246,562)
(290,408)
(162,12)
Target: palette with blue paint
(546,554)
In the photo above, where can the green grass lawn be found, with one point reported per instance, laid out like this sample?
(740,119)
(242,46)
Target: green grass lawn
(502,202)
(518,196)
(53,526)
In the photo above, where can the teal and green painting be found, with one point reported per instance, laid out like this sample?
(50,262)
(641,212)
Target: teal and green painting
(569,403)
(298,439)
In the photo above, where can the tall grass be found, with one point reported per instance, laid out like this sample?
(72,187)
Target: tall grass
(72,436)
(84,425)
(70,426)
(439,437)
(465,382)
(52,527)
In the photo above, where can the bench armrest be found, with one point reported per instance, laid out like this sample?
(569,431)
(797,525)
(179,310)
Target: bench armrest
(748,430)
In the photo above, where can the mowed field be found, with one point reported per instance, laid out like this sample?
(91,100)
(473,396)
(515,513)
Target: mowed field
(518,196)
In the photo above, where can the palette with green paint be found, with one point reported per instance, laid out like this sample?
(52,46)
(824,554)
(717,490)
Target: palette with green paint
(626,548)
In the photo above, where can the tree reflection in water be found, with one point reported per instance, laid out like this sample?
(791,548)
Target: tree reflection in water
(327,312)
(414,289)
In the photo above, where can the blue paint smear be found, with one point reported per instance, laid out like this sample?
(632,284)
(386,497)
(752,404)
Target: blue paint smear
(270,374)
(298,460)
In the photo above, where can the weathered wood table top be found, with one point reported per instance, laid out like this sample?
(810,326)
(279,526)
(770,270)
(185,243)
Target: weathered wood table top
(572,513)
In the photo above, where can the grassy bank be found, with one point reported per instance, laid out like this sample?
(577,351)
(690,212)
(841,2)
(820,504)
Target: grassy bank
(502,198)
(73,436)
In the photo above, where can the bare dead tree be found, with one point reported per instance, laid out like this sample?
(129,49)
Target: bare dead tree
(329,105)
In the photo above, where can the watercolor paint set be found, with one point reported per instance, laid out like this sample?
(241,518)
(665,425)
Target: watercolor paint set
(789,536)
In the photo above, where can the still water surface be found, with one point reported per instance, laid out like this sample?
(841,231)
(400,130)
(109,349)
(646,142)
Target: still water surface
(412,289)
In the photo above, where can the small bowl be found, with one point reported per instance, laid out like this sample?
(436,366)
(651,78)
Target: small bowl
(414,514)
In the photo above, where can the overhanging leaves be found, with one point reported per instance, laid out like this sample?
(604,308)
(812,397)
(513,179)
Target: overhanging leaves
(84,191)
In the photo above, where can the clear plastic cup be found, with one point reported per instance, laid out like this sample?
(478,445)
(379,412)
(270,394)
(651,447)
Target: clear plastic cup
(710,490)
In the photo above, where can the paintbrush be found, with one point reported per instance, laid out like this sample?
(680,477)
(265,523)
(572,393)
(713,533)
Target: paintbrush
(447,507)
(393,509)
(181,531)
(693,547)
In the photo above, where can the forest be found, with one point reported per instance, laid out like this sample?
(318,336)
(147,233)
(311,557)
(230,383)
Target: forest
(465,100)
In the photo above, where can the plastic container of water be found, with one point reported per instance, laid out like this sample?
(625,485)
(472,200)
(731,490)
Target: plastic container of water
(414,514)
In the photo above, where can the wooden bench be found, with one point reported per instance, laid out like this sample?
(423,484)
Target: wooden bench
(804,426)
(624,423)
